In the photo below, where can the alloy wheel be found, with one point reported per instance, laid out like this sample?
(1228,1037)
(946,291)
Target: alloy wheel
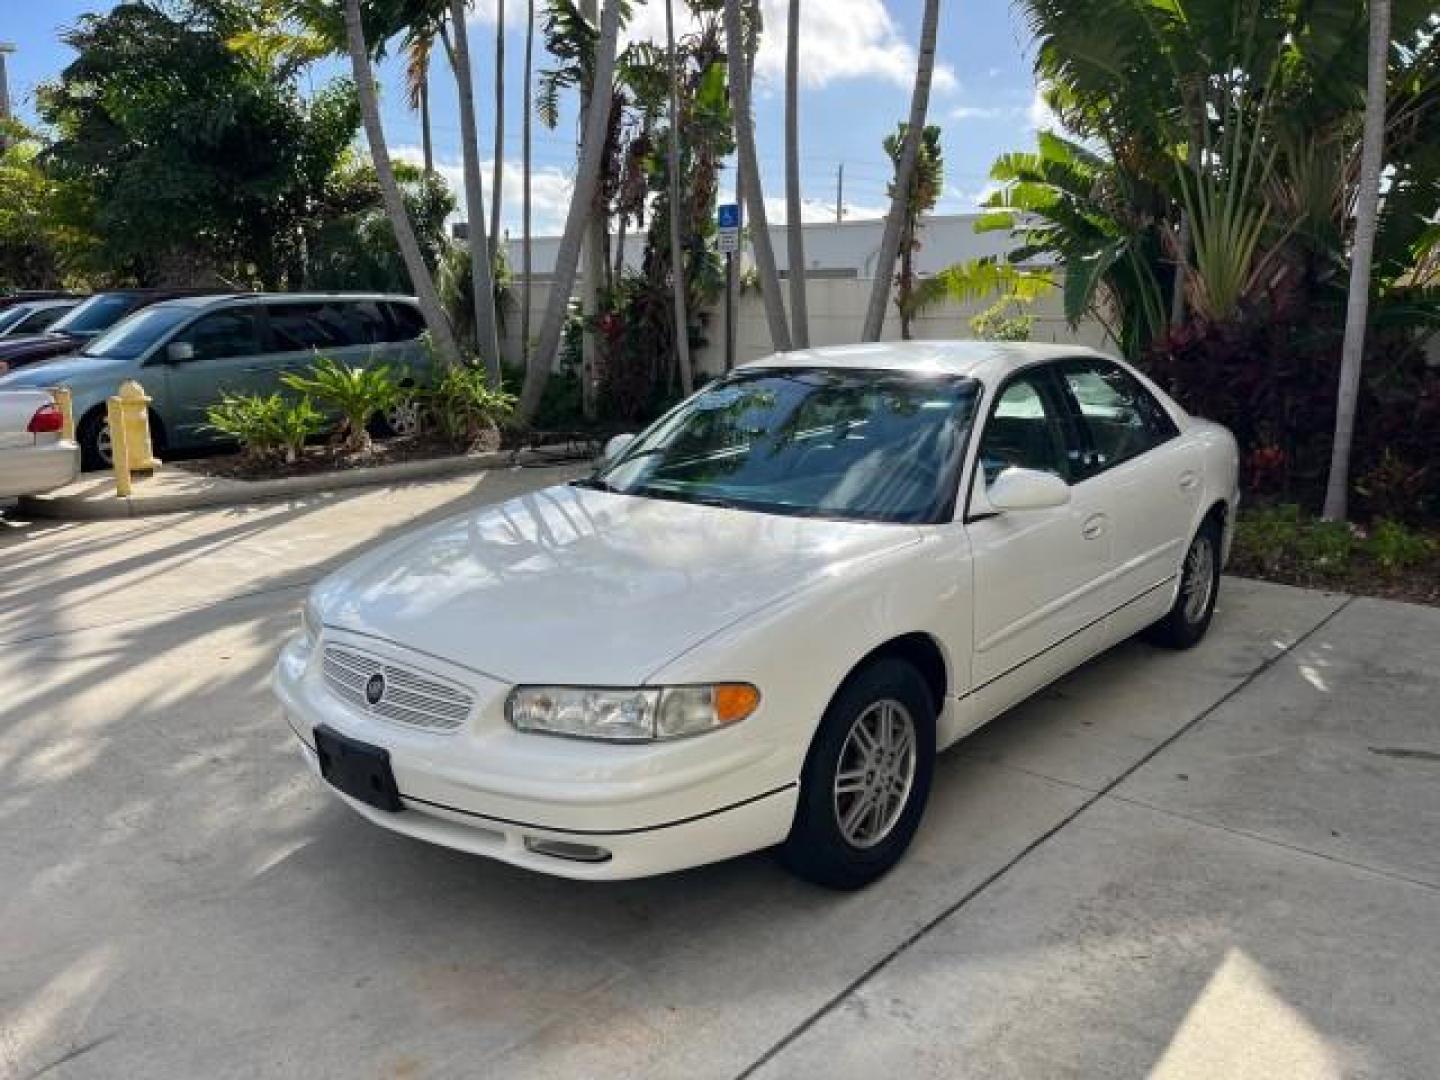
(1199,578)
(875,774)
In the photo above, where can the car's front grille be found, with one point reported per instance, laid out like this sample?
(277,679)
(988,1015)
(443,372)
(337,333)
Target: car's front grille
(417,699)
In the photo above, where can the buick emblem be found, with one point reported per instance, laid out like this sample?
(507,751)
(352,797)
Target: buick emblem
(375,688)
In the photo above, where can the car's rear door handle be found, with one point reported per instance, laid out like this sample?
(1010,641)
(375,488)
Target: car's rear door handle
(1094,526)
(1189,480)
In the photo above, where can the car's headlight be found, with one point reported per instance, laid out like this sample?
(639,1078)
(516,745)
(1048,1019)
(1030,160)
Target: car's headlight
(310,624)
(630,715)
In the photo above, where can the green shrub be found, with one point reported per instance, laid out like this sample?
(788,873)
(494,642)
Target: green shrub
(355,393)
(265,426)
(466,406)
(1268,534)
(1325,546)
(1395,547)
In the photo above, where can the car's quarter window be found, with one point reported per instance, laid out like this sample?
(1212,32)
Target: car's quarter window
(1121,419)
(866,445)
(223,334)
(1026,429)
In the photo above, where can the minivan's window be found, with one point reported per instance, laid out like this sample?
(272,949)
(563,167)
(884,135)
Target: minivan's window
(825,442)
(223,334)
(98,313)
(130,337)
(16,314)
(408,323)
(298,327)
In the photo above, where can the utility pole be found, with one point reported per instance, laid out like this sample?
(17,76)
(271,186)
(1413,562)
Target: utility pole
(5,49)
(840,192)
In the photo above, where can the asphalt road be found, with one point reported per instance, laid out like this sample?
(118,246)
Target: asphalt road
(1216,863)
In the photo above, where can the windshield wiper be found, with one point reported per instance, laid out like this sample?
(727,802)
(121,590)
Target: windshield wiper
(595,483)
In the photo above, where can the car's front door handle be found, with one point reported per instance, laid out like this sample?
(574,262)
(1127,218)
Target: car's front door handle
(1094,526)
(1189,480)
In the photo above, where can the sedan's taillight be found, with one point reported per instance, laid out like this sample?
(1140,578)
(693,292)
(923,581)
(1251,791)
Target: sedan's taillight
(47,419)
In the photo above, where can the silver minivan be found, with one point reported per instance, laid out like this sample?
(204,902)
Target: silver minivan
(188,353)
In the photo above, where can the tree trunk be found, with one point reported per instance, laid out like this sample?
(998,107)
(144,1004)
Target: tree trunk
(426,142)
(483,285)
(904,176)
(497,178)
(421,280)
(678,276)
(906,285)
(1357,308)
(594,255)
(587,181)
(795,251)
(748,179)
(525,267)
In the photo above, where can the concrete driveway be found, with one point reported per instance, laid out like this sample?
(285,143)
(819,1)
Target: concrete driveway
(1216,863)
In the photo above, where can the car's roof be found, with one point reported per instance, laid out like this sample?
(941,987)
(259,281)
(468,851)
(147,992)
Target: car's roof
(253,297)
(978,359)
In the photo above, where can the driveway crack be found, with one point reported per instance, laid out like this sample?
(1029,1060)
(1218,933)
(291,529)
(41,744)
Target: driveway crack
(945,913)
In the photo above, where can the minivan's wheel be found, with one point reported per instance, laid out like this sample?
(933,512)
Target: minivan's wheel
(866,778)
(1189,618)
(93,434)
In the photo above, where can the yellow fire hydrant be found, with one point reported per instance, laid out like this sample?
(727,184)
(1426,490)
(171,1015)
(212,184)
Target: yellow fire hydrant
(131,449)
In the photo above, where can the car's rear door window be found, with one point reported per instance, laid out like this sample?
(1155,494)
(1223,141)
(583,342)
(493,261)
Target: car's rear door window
(1121,419)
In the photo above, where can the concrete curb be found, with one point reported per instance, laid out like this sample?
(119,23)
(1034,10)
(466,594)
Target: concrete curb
(98,501)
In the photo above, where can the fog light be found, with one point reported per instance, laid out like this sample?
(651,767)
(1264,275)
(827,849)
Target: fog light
(563,849)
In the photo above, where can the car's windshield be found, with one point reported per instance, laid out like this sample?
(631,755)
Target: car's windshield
(13,316)
(826,442)
(130,337)
(96,314)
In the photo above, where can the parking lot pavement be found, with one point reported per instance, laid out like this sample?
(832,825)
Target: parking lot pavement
(183,900)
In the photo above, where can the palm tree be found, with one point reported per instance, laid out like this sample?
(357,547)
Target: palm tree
(677,248)
(498,175)
(582,202)
(419,43)
(914,132)
(596,232)
(482,284)
(525,267)
(795,256)
(925,184)
(748,178)
(1357,308)
(420,278)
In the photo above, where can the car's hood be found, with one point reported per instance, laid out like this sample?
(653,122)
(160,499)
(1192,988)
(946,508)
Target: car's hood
(31,347)
(60,370)
(571,585)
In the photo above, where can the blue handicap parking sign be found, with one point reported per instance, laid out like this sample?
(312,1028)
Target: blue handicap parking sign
(728,215)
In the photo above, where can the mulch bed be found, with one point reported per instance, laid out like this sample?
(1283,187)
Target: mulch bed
(1418,585)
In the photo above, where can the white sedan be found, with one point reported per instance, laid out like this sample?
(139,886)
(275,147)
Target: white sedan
(34,458)
(758,622)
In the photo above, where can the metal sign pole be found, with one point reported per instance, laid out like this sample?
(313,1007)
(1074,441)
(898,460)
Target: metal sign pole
(727,220)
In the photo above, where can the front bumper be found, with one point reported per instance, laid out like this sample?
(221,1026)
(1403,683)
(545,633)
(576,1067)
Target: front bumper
(490,790)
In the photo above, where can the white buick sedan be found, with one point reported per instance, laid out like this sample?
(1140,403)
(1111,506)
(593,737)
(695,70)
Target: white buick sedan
(758,621)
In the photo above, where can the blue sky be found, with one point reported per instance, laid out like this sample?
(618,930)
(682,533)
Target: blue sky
(857,61)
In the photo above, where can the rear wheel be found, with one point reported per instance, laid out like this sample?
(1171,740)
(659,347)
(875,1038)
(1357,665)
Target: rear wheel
(866,779)
(1194,606)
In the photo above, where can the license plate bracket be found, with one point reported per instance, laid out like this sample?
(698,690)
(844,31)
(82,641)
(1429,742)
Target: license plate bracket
(357,768)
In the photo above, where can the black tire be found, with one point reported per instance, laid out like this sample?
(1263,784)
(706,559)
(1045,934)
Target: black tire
(92,433)
(818,848)
(1189,618)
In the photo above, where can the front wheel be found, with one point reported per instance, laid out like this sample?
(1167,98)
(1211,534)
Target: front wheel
(1188,619)
(866,778)
(97,451)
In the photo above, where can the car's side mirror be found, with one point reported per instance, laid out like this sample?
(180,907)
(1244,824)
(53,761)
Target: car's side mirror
(616,446)
(1027,489)
(177,352)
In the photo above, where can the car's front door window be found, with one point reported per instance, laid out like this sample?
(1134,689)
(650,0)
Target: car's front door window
(1025,430)
(224,334)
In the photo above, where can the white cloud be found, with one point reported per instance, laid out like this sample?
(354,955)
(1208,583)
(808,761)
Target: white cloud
(970,201)
(814,210)
(839,40)
(985,112)
(1039,115)
(550,189)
